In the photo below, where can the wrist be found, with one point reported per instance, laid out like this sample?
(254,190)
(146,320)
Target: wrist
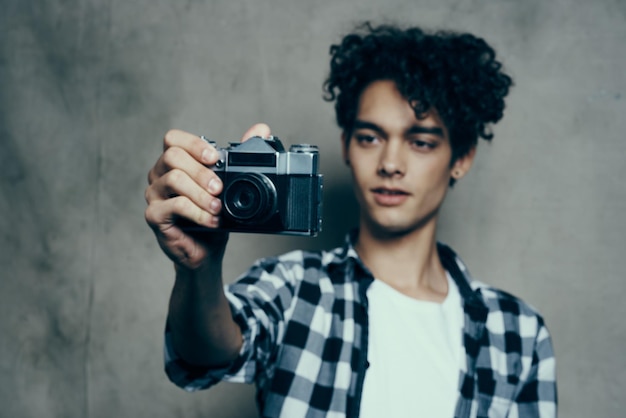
(209,267)
(207,253)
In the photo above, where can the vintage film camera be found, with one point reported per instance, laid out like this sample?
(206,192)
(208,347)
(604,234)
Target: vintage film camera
(269,190)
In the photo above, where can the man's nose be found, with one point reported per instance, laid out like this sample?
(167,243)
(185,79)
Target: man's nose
(392,159)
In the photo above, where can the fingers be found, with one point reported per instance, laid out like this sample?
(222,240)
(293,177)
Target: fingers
(200,150)
(177,183)
(259,129)
(189,189)
(181,185)
(187,152)
(178,158)
(161,214)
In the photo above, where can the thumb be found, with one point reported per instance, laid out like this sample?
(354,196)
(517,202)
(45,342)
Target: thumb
(259,129)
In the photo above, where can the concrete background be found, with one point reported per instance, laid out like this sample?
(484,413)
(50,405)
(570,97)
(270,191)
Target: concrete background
(89,87)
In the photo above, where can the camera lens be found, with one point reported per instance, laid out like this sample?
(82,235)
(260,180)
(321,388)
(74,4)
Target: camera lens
(250,198)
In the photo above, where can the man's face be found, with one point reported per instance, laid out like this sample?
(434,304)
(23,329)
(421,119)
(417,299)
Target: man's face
(400,164)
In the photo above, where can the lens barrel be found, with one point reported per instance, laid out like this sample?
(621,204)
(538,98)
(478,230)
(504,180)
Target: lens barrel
(250,198)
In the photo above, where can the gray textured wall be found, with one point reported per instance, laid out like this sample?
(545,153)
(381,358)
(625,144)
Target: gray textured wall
(88,88)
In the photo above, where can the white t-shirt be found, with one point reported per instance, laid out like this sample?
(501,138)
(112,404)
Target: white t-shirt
(414,351)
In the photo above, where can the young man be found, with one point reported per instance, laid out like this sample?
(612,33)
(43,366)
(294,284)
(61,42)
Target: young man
(390,324)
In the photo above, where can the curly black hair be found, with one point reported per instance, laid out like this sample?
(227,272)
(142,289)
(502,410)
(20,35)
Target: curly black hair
(455,73)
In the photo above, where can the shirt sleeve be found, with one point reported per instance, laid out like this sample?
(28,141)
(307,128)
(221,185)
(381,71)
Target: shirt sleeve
(259,302)
(538,395)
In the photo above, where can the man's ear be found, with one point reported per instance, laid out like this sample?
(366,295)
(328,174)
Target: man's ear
(463,164)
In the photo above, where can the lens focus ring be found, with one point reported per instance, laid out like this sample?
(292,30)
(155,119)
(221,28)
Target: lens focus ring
(250,198)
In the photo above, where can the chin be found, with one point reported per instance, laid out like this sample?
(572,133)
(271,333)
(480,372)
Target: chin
(396,228)
(389,230)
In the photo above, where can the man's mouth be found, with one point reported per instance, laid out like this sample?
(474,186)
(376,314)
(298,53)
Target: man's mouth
(390,192)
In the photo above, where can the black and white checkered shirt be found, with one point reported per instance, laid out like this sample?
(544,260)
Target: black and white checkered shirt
(304,320)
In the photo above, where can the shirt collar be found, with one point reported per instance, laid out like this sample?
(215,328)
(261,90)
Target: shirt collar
(346,257)
(473,302)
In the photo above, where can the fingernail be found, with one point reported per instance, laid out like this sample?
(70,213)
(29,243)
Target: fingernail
(215,205)
(207,155)
(214,186)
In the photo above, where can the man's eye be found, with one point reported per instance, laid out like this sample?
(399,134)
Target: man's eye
(423,145)
(365,139)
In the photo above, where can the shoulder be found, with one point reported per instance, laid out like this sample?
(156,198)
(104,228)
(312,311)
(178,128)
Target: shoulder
(292,266)
(302,259)
(509,315)
(500,300)
(505,312)
(282,280)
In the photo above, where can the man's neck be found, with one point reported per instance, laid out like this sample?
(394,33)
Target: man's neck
(409,262)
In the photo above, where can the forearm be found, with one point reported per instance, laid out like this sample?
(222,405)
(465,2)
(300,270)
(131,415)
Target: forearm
(201,324)
(182,185)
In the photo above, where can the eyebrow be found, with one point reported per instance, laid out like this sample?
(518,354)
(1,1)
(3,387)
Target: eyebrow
(415,129)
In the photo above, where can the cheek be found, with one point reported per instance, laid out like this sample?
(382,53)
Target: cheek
(438,168)
(361,165)
(360,177)
(434,178)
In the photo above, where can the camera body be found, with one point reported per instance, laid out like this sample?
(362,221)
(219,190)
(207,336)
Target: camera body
(270,190)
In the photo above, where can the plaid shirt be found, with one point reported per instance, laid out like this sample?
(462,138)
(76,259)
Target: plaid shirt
(304,321)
